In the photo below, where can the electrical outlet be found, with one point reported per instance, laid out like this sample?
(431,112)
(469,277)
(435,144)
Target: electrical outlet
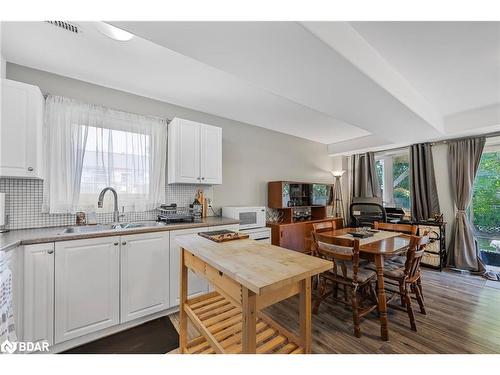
(209,202)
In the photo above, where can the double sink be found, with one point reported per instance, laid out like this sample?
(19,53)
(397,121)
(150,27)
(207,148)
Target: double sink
(109,227)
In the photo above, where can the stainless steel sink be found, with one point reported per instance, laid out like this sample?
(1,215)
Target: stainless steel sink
(141,224)
(89,228)
(108,227)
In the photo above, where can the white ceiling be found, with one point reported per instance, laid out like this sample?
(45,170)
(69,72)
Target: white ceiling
(350,85)
(454,65)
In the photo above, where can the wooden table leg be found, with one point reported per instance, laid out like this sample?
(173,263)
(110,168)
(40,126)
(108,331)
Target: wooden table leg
(382,302)
(305,314)
(249,312)
(183,298)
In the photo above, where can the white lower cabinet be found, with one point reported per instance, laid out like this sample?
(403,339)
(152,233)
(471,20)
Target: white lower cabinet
(144,275)
(38,312)
(74,288)
(87,287)
(196,284)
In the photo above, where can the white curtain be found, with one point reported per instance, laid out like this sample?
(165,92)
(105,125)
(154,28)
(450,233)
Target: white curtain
(91,147)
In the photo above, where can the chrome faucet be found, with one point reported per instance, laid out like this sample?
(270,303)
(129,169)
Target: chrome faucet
(116,212)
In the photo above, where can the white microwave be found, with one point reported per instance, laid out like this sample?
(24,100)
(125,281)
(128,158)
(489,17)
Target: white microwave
(249,217)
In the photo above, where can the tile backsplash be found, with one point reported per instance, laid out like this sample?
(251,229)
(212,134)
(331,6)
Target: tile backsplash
(23,204)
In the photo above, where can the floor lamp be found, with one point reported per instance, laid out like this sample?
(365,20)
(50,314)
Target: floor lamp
(338,202)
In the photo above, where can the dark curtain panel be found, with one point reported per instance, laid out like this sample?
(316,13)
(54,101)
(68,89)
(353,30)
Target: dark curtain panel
(463,162)
(364,176)
(424,198)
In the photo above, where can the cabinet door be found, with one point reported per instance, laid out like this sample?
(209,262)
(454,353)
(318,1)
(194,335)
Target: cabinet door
(21,130)
(211,155)
(87,290)
(292,237)
(144,274)
(196,284)
(184,152)
(38,315)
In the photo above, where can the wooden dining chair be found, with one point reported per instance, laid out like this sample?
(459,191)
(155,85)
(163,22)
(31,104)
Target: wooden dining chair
(401,228)
(344,253)
(324,226)
(409,279)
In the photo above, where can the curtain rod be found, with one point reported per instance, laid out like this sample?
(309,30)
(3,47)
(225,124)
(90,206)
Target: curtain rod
(167,120)
(445,141)
(441,142)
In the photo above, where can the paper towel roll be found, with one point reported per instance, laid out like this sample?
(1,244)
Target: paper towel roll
(2,209)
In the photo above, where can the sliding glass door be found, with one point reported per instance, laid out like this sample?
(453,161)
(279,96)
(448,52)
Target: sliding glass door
(485,209)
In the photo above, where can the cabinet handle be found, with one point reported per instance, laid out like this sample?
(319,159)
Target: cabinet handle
(30,169)
(116,244)
(203,178)
(124,242)
(50,251)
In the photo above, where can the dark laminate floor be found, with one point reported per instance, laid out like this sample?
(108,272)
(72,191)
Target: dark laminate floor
(155,337)
(462,317)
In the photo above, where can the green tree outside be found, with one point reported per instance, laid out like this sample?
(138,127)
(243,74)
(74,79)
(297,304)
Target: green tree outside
(486,195)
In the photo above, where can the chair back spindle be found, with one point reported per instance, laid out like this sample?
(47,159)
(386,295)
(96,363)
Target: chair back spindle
(341,251)
(414,257)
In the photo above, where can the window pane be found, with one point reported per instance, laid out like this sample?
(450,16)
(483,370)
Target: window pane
(118,159)
(379,166)
(486,207)
(401,180)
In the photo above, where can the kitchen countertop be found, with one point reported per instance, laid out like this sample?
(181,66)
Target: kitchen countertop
(15,238)
(257,266)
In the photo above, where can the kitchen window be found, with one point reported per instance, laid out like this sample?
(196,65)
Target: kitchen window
(393,173)
(115,158)
(90,147)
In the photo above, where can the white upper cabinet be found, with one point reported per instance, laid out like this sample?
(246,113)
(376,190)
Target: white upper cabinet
(194,153)
(21,130)
(211,155)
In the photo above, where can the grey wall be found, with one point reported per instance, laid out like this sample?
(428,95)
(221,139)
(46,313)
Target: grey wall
(252,156)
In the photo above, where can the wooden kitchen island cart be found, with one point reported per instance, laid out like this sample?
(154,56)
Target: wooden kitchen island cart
(247,276)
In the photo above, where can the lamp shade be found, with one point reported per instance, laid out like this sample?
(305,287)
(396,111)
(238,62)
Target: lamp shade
(337,173)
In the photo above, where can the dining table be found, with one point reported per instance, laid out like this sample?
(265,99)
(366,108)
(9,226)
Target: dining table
(383,245)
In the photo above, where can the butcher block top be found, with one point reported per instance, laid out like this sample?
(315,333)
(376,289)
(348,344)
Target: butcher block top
(258,266)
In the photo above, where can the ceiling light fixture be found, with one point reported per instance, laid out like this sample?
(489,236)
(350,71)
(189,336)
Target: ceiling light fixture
(113,32)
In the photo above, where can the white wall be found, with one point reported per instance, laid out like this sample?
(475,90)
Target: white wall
(252,156)
(440,156)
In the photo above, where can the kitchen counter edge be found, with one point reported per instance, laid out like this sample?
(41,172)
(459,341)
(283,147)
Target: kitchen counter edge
(32,236)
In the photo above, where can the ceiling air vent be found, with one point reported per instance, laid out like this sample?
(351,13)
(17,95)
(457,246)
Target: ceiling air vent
(66,26)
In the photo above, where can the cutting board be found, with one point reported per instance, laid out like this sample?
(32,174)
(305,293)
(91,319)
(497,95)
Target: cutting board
(223,235)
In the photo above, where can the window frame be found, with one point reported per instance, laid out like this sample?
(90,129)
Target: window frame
(388,175)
